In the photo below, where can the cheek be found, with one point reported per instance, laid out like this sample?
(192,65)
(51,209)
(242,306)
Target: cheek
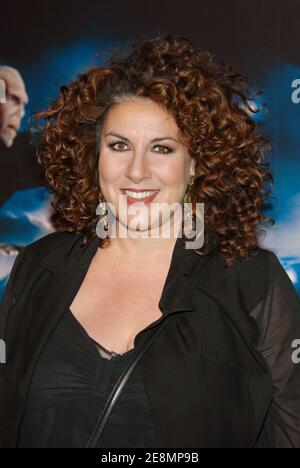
(109,168)
(175,175)
(11,108)
(4,113)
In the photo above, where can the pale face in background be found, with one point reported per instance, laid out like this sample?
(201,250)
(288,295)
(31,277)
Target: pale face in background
(129,159)
(13,110)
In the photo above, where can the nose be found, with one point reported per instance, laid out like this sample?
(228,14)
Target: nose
(138,167)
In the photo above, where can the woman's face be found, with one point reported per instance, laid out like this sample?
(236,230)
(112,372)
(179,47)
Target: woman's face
(140,150)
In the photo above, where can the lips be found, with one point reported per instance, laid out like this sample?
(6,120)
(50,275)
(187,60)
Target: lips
(145,200)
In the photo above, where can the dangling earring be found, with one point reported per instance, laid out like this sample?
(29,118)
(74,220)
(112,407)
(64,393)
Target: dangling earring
(188,212)
(102,211)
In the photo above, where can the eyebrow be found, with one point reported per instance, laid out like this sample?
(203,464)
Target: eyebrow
(152,141)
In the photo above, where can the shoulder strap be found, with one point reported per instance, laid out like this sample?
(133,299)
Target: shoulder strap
(120,384)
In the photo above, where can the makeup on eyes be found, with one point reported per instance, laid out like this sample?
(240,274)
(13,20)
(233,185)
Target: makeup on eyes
(160,145)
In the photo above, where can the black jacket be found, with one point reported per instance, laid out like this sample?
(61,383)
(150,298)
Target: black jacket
(221,374)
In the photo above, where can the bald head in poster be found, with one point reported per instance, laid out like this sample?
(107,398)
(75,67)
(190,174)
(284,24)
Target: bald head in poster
(12,107)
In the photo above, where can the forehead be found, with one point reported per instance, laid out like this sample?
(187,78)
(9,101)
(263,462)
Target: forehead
(139,114)
(15,85)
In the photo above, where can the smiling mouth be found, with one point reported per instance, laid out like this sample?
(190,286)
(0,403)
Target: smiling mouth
(139,196)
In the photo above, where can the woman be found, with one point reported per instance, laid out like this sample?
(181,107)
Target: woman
(165,118)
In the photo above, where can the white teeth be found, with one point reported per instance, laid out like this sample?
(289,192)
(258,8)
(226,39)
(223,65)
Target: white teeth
(138,195)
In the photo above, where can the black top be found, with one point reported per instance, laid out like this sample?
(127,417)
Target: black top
(70,385)
(225,372)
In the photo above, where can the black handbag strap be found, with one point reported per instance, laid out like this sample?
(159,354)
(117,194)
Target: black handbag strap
(120,384)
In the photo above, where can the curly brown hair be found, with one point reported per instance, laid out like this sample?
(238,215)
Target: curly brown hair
(210,104)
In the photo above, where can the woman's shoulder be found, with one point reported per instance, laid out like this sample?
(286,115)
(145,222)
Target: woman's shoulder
(50,242)
(259,264)
(26,269)
(251,278)
(33,254)
(262,267)
(264,276)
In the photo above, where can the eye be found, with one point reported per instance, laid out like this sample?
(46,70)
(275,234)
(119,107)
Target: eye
(14,98)
(113,145)
(164,149)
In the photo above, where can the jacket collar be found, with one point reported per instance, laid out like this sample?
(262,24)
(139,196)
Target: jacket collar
(177,291)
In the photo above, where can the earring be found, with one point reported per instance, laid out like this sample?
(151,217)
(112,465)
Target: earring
(102,211)
(188,212)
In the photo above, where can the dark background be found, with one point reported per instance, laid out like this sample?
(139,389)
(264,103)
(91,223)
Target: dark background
(238,31)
